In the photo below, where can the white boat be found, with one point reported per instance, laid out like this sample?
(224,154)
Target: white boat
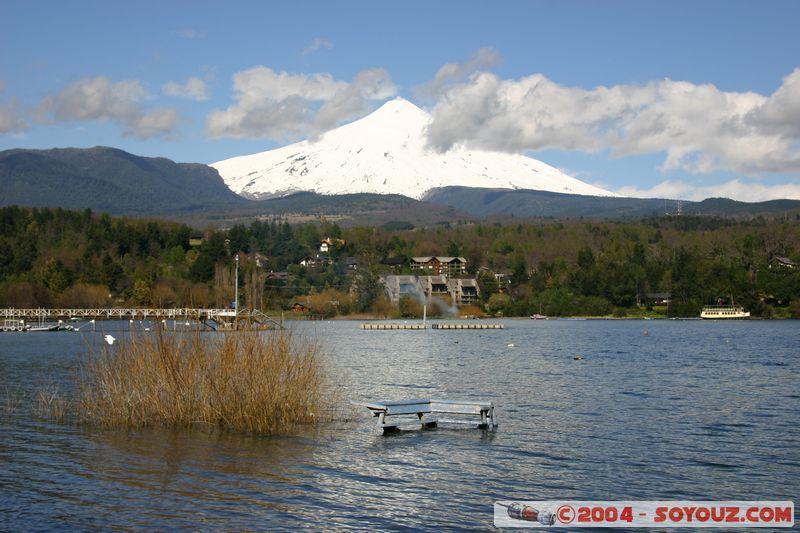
(43,327)
(724,312)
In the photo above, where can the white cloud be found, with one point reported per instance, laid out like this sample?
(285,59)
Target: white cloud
(10,121)
(699,128)
(781,112)
(353,99)
(451,73)
(744,191)
(315,45)
(155,123)
(279,105)
(103,100)
(96,99)
(262,83)
(286,119)
(194,89)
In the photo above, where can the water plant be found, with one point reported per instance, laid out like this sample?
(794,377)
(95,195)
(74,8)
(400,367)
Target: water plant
(50,403)
(263,383)
(10,401)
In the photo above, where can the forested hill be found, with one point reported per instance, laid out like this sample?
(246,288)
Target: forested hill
(110,180)
(54,257)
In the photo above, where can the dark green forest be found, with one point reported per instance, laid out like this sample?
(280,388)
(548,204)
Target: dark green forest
(57,257)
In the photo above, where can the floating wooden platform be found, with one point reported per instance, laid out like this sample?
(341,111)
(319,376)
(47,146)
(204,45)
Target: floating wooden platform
(433,326)
(393,326)
(467,326)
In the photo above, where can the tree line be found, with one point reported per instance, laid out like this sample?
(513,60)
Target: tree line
(56,257)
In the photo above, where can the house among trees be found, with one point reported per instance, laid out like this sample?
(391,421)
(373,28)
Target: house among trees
(449,266)
(297,307)
(327,243)
(260,260)
(658,298)
(314,262)
(257,258)
(196,239)
(782,262)
(395,263)
(350,263)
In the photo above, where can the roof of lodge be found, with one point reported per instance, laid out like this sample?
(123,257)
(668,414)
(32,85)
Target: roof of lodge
(440,258)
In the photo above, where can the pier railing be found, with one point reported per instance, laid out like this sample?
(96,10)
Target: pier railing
(111,313)
(140,313)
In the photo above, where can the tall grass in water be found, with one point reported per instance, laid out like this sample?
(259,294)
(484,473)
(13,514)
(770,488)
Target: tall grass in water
(50,403)
(10,401)
(249,382)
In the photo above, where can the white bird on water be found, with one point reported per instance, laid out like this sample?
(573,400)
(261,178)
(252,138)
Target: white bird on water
(109,339)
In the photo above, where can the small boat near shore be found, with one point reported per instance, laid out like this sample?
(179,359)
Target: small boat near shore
(42,327)
(537,316)
(728,312)
(49,327)
(20,325)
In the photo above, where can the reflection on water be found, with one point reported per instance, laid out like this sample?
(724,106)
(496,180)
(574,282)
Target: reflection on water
(692,410)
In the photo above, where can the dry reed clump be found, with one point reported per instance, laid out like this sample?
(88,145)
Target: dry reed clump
(50,403)
(259,383)
(11,401)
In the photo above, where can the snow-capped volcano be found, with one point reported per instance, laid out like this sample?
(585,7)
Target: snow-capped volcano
(385,153)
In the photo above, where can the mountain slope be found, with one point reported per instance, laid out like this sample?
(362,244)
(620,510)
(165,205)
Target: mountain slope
(385,153)
(111,180)
(526,203)
(362,209)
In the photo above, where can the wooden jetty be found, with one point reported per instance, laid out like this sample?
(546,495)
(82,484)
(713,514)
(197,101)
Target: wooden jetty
(384,326)
(467,326)
(393,326)
(424,407)
(214,319)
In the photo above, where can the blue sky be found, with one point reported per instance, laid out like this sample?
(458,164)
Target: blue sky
(675,99)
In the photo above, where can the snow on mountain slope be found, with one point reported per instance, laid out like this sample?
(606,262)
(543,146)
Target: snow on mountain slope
(385,153)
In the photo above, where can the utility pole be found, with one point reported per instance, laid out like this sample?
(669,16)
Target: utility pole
(236,297)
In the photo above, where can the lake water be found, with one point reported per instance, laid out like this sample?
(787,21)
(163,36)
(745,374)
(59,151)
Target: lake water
(655,410)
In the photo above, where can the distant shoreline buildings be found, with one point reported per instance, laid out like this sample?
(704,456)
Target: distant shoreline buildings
(456,291)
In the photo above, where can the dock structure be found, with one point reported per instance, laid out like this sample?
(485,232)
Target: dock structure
(383,326)
(393,326)
(424,409)
(467,326)
(208,318)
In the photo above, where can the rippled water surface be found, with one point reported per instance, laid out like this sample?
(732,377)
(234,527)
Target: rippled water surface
(654,410)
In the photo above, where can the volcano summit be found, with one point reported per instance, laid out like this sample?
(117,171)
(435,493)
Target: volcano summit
(386,153)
